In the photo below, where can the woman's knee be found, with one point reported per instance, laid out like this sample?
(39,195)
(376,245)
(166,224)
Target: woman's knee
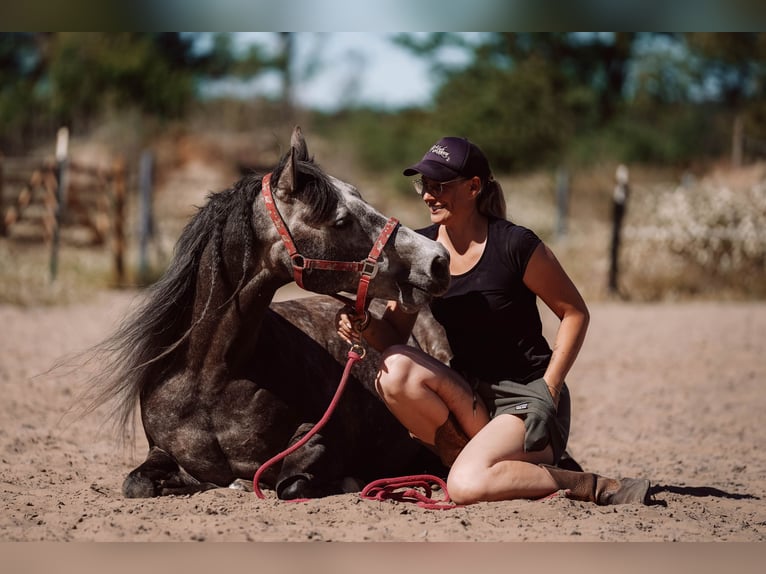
(466,485)
(394,371)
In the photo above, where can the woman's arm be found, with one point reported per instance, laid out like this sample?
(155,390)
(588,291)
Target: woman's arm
(546,278)
(392,328)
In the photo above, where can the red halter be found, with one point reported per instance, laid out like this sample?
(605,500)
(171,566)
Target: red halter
(367,268)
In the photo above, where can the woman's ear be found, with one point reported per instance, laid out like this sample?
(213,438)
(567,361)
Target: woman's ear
(475,186)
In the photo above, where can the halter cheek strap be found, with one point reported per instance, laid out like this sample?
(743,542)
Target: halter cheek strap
(367,268)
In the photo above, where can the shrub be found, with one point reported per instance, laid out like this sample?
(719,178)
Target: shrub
(696,239)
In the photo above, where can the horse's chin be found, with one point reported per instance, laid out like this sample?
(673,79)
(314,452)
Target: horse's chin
(409,308)
(412,298)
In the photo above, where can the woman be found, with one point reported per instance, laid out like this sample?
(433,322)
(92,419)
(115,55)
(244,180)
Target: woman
(498,415)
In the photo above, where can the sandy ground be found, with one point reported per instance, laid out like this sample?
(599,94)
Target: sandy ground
(670,392)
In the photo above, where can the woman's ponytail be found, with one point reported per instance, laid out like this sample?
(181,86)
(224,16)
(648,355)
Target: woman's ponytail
(491,201)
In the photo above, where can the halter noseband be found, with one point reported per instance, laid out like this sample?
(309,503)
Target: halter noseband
(367,268)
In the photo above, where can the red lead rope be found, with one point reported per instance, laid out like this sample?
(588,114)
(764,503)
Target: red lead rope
(386,488)
(400,489)
(404,489)
(355,354)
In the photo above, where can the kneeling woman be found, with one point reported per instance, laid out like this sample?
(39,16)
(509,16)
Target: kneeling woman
(498,415)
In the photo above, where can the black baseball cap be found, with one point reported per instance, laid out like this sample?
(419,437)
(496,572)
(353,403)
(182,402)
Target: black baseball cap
(451,158)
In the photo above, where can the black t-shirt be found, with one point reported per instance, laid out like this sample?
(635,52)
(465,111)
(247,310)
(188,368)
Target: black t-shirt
(491,318)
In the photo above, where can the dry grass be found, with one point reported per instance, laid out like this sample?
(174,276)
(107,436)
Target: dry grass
(25,275)
(666,265)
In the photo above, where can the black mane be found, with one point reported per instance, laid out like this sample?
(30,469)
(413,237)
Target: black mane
(148,344)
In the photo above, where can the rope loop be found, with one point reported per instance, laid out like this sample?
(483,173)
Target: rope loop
(416,488)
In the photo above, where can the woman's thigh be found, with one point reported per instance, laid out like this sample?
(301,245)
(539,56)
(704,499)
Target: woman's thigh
(420,371)
(501,439)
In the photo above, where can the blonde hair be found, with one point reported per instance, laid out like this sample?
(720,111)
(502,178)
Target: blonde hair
(491,201)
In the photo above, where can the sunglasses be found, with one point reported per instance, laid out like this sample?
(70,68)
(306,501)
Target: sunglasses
(434,188)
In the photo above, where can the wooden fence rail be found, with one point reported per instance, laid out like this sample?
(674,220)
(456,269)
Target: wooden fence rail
(92,201)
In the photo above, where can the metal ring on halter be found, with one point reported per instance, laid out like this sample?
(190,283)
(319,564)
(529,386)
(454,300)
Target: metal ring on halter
(298,261)
(358,349)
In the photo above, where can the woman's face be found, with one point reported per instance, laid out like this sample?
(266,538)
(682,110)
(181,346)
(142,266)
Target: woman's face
(447,199)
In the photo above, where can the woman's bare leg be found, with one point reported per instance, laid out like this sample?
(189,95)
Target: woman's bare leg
(494,466)
(428,398)
(422,392)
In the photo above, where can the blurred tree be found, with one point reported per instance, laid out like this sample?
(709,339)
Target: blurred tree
(71,77)
(515,114)
(731,65)
(524,95)
(154,72)
(733,72)
(22,71)
(284,62)
(533,97)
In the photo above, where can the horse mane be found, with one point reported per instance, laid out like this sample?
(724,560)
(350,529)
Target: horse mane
(151,340)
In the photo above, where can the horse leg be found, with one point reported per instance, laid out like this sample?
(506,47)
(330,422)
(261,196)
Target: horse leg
(160,475)
(301,470)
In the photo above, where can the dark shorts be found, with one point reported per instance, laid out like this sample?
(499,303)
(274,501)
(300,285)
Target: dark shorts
(532,402)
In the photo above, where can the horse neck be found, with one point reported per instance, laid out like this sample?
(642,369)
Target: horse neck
(227,317)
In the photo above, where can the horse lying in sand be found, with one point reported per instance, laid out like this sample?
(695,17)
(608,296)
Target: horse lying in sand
(225,382)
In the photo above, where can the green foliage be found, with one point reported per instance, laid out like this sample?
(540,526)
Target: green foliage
(74,77)
(514,116)
(528,99)
(89,71)
(675,135)
(20,98)
(383,142)
(536,100)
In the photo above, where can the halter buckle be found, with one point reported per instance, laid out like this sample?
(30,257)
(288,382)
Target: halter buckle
(370,268)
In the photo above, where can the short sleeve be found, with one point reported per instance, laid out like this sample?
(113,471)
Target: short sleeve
(521,244)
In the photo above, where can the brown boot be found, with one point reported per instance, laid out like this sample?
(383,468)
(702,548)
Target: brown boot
(449,440)
(599,489)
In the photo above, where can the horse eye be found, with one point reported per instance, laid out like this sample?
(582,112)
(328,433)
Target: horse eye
(341,222)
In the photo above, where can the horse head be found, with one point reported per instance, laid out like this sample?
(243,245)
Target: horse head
(328,223)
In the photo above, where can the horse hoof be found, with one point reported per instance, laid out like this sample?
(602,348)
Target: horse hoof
(242,484)
(138,487)
(351,484)
(293,487)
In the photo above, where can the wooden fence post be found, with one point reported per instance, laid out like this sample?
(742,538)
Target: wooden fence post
(62,152)
(619,205)
(3,230)
(118,238)
(145,216)
(562,202)
(738,141)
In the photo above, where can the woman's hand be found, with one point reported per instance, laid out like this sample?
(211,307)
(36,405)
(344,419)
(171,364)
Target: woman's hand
(349,325)
(555,395)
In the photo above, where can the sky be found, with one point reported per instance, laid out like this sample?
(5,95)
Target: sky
(348,68)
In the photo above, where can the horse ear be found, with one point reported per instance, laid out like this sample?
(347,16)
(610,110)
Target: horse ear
(298,151)
(299,144)
(288,177)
